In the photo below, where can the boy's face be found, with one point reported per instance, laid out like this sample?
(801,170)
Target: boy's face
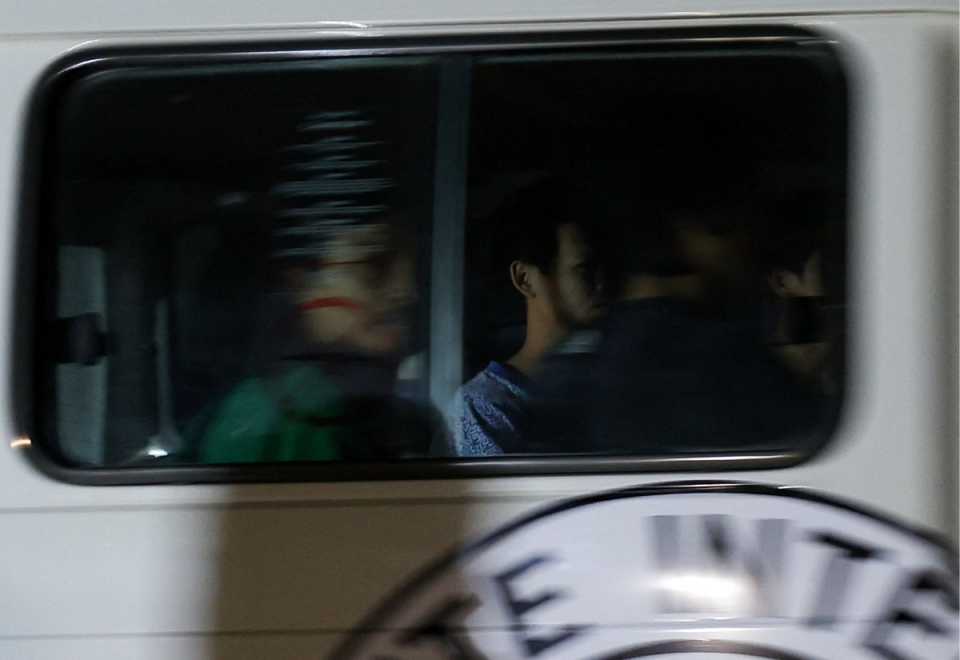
(573,286)
(358,295)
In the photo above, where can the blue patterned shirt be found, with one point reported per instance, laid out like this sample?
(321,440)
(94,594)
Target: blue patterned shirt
(485,411)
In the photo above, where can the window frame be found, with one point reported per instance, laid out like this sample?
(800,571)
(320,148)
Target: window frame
(33,234)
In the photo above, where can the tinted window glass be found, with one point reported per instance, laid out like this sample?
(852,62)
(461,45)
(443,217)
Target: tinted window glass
(224,231)
(653,252)
(599,251)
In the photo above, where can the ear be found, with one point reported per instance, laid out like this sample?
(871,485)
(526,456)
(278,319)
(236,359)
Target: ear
(521,276)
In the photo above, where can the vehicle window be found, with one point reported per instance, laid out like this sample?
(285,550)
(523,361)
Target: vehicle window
(624,249)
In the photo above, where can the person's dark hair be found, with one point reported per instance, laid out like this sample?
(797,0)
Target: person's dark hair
(620,202)
(793,231)
(718,191)
(528,220)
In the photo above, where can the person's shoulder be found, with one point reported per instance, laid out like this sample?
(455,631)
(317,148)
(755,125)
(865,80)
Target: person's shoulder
(248,397)
(482,413)
(494,382)
(235,431)
(490,400)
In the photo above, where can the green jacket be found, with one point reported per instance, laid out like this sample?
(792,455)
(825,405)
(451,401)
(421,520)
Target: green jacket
(297,416)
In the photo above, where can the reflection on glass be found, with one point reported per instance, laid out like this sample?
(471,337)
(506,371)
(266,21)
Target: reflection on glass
(256,265)
(348,279)
(652,258)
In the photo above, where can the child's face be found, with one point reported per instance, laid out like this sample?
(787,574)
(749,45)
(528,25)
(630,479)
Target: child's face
(358,295)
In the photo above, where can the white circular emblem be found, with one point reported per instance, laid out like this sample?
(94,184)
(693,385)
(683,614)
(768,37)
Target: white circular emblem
(691,571)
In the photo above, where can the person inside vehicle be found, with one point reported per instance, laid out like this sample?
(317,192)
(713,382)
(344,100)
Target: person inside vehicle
(665,370)
(797,326)
(551,266)
(326,387)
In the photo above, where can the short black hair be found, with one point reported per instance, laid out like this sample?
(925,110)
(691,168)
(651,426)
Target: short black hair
(528,222)
(794,231)
(715,189)
(618,202)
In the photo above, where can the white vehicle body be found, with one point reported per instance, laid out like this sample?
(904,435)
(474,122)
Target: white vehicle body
(188,571)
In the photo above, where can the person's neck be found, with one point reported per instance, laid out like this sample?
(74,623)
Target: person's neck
(544,331)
